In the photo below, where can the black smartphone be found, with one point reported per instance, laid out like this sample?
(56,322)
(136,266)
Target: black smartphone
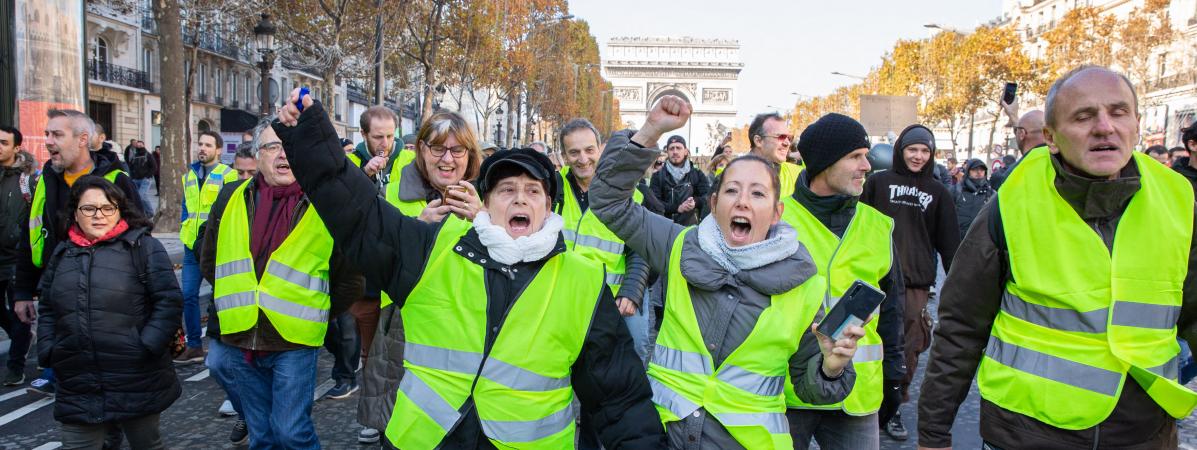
(1010,92)
(858,302)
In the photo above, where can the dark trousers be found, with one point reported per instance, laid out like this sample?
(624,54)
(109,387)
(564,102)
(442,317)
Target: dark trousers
(19,332)
(142,433)
(342,341)
(917,328)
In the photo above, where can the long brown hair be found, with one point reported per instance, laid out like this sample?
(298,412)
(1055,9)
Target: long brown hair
(437,129)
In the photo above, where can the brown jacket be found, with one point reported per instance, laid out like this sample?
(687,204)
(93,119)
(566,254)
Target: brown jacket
(970,301)
(345,282)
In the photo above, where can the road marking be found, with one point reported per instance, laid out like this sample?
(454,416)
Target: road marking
(322,389)
(8,418)
(48,446)
(199,376)
(13,394)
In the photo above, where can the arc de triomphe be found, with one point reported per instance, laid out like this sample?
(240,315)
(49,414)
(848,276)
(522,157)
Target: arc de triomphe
(704,72)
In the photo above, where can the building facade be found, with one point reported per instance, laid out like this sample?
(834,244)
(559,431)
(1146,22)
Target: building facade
(703,72)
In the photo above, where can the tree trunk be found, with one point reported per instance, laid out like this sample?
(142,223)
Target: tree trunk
(174,116)
(529,136)
(430,61)
(511,113)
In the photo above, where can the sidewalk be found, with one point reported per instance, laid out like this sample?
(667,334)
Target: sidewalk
(174,246)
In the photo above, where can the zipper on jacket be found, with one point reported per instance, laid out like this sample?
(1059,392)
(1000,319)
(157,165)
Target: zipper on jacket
(91,259)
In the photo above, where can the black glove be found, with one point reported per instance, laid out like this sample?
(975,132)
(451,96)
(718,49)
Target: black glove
(891,399)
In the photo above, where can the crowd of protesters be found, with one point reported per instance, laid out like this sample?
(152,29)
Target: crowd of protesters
(615,292)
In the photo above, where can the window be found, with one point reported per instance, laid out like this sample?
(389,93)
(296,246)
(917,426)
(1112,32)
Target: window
(203,79)
(1163,64)
(147,61)
(99,50)
(235,82)
(219,82)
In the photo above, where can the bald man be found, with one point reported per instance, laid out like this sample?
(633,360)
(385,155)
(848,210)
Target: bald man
(1028,132)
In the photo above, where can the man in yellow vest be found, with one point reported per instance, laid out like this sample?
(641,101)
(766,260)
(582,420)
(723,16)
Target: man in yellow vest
(68,137)
(770,138)
(499,328)
(201,184)
(848,240)
(627,273)
(1065,303)
(277,278)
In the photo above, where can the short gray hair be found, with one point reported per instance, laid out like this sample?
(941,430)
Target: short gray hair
(575,125)
(1050,107)
(80,123)
(257,132)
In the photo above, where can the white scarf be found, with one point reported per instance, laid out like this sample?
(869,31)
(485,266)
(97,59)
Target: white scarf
(779,244)
(503,248)
(678,173)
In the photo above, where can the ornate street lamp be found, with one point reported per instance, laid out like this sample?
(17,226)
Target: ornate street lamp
(498,126)
(264,35)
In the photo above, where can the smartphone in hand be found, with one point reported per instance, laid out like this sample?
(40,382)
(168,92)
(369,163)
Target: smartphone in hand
(1008,95)
(854,308)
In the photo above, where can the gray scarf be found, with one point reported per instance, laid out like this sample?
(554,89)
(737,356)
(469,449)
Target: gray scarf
(678,173)
(779,244)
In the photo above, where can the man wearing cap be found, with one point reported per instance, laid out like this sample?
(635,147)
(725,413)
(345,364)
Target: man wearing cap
(924,225)
(844,238)
(471,299)
(681,186)
(771,139)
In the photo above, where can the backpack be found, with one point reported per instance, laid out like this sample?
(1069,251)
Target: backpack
(141,165)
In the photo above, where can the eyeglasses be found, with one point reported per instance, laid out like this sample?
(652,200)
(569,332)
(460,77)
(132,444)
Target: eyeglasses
(439,150)
(91,210)
(270,147)
(780,137)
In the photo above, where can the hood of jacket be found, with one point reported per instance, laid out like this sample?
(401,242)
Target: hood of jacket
(971,185)
(899,164)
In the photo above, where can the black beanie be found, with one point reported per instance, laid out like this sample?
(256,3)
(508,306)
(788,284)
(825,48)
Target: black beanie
(829,139)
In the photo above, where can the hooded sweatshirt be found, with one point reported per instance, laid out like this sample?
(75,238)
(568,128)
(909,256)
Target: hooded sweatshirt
(923,212)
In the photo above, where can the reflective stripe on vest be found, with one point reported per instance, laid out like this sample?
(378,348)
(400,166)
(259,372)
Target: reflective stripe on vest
(863,253)
(588,236)
(522,398)
(745,392)
(37,218)
(198,199)
(1078,333)
(294,290)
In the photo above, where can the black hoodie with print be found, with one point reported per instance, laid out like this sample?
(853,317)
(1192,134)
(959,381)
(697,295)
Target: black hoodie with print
(923,211)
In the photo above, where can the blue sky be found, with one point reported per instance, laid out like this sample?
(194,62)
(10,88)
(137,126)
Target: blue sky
(786,46)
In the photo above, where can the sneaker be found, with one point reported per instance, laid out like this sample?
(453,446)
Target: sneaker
(226,409)
(191,355)
(341,390)
(367,436)
(41,386)
(14,378)
(240,433)
(895,429)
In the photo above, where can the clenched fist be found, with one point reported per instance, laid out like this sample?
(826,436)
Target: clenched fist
(670,113)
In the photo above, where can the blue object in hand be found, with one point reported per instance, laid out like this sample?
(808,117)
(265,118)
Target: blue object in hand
(302,92)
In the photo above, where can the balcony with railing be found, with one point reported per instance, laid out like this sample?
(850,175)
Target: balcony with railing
(356,95)
(213,43)
(148,24)
(119,75)
(1179,79)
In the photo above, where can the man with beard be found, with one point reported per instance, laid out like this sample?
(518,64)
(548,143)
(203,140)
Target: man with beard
(69,136)
(683,188)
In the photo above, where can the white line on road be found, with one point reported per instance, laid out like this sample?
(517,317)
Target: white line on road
(12,395)
(322,389)
(48,446)
(199,376)
(7,418)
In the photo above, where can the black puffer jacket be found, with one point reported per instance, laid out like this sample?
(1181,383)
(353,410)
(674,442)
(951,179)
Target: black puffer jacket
(105,332)
(971,195)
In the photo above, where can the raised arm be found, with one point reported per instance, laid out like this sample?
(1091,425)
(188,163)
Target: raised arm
(624,162)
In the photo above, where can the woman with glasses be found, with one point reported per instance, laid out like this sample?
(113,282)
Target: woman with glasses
(110,306)
(432,184)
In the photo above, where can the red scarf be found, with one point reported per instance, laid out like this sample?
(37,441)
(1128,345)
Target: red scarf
(82,240)
(272,219)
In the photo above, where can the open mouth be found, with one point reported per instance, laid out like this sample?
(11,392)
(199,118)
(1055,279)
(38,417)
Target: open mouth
(445,171)
(283,166)
(740,227)
(519,223)
(1104,148)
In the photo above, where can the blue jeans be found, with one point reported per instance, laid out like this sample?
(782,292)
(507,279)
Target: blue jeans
(143,191)
(191,309)
(218,364)
(833,430)
(276,398)
(638,327)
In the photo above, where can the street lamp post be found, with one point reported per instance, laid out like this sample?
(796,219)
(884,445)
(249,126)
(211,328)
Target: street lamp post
(498,126)
(848,75)
(264,34)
